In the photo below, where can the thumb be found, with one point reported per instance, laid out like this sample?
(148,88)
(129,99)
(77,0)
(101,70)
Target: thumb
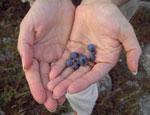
(25,45)
(132,48)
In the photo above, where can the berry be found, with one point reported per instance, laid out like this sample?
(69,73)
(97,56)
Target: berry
(74,55)
(91,48)
(93,53)
(92,58)
(83,60)
(76,65)
(69,63)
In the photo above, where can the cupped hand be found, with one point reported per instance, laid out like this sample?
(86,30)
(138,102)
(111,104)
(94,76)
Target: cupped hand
(106,27)
(43,35)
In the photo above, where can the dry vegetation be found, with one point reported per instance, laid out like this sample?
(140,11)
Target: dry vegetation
(15,98)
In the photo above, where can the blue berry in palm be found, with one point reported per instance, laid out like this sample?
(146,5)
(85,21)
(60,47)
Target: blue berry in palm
(74,55)
(83,60)
(69,63)
(91,47)
(76,65)
(92,58)
(93,53)
(78,62)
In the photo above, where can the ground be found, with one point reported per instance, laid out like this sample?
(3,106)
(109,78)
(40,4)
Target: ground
(15,98)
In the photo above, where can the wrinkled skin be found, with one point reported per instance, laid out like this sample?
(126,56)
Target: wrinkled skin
(106,27)
(43,36)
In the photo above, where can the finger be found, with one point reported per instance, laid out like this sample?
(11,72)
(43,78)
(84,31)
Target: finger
(98,71)
(50,103)
(66,72)
(35,84)
(58,67)
(51,106)
(53,83)
(132,49)
(62,87)
(44,72)
(25,45)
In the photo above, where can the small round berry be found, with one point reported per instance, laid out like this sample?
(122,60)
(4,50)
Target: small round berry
(91,47)
(74,55)
(75,60)
(78,62)
(83,60)
(69,63)
(92,58)
(93,53)
(76,66)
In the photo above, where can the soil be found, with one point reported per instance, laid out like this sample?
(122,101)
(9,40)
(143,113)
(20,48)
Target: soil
(15,97)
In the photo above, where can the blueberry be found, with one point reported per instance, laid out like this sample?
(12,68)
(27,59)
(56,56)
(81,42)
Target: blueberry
(91,48)
(78,62)
(92,58)
(74,55)
(69,63)
(76,65)
(93,53)
(83,60)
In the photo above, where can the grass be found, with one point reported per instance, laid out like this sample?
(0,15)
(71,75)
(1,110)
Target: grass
(15,97)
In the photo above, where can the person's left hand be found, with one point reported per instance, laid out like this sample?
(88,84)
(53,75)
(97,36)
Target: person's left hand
(106,27)
(43,35)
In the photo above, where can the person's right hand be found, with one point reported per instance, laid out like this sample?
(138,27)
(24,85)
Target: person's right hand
(43,35)
(102,24)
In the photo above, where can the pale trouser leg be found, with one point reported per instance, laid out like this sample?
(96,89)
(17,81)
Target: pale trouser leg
(84,101)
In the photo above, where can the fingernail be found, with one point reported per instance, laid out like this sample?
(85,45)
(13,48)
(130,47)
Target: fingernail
(23,66)
(55,97)
(61,103)
(134,73)
(52,111)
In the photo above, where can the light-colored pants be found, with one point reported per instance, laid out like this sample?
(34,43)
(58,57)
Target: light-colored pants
(84,101)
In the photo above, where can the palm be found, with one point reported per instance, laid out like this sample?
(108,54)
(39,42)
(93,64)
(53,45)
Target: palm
(107,30)
(101,30)
(48,25)
(52,31)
